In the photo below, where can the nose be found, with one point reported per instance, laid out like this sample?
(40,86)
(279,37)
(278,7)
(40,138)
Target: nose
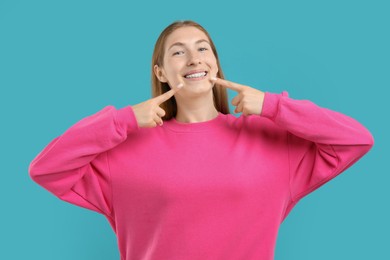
(194,58)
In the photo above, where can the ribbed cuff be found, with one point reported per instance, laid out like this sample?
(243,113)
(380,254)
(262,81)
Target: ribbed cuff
(126,118)
(271,104)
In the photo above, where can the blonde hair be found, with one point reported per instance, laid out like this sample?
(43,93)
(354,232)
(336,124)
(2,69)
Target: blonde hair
(220,96)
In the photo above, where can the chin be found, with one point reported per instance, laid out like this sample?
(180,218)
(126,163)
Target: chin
(198,90)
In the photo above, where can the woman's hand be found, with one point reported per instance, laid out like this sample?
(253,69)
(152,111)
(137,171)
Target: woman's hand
(149,112)
(249,100)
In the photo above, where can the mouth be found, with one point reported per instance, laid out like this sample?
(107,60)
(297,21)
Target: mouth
(198,75)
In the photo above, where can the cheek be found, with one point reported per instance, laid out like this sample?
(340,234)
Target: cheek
(213,64)
(212,61)
(171,70)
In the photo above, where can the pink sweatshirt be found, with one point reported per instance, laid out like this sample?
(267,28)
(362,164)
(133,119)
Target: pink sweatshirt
(211,190)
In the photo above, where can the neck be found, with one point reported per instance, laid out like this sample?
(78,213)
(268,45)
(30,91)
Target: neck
(196,110)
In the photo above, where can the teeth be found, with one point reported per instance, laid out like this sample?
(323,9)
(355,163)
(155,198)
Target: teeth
(196,75)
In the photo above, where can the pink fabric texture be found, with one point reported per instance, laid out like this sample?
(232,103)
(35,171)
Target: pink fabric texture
(217,189)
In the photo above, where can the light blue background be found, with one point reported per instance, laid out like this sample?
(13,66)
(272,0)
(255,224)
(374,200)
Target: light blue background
(63,60)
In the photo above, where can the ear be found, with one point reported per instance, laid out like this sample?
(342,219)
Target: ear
(160,74)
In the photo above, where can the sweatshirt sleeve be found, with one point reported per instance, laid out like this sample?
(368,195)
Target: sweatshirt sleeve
(74,166)
(322,143)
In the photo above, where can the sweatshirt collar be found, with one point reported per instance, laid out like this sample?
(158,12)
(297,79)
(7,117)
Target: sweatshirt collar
(208,125)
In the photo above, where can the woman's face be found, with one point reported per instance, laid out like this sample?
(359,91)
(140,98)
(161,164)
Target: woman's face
(188,55)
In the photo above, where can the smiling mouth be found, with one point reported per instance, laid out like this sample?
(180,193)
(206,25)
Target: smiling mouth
(195,76)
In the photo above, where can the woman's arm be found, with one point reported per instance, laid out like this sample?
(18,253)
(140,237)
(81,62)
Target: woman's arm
(74,165)
(322,143)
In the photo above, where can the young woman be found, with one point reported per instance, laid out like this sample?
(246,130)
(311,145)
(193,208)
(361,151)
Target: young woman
(179,177)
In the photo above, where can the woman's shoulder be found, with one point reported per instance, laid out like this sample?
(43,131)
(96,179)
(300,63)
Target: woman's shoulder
(251,122)
(256,128)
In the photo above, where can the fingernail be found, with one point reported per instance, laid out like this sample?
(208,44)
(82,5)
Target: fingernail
(213,78)
(180,85)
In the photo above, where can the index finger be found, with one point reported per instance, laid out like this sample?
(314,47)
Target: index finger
(228,84)
(167,95)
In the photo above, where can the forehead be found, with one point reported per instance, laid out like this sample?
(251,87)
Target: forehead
(187,35)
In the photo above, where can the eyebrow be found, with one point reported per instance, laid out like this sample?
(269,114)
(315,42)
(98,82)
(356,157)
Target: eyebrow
(182,44)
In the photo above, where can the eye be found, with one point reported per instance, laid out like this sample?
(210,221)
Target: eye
(175,53)
(202,48)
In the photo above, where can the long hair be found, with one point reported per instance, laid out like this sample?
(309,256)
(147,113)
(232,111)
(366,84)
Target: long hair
(220,96)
